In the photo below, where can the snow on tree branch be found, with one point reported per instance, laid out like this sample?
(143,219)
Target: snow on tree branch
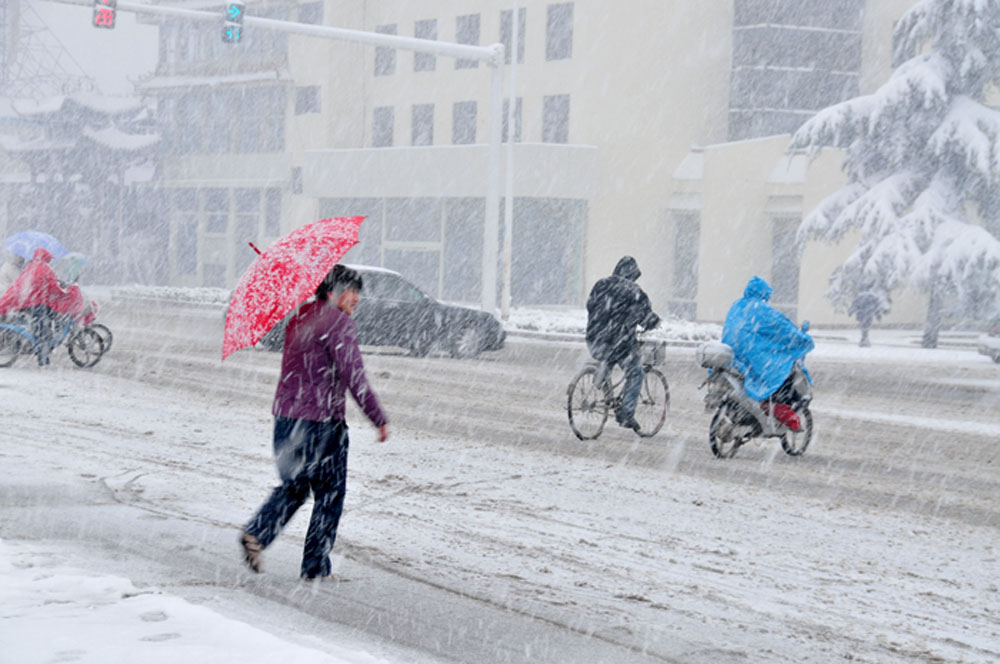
(921,155)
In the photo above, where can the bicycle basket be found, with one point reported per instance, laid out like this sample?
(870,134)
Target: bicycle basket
(652,353)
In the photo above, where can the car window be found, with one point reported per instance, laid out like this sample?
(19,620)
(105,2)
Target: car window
(401,290)
(390,287)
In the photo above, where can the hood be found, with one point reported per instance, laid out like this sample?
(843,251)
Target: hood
(627,268)
(758,288)
(42,254)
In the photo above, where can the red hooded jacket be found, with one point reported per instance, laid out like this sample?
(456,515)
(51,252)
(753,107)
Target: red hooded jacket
(38,285)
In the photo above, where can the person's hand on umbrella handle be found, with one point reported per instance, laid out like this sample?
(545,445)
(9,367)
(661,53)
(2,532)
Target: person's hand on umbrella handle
(383,433)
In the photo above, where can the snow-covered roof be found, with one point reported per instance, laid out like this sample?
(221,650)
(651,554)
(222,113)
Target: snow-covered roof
(692,167)
(170,82)
(789,169)
(141,173)
(92,101)
(105,104)
(114,138)
(16,144)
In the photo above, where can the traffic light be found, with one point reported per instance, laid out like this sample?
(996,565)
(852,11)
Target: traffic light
(104,13)
(232,29)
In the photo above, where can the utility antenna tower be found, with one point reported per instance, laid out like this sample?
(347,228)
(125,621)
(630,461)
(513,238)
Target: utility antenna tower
(34,64)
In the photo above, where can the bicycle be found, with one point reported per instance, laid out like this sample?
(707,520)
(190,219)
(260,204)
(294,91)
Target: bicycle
(592,395)
(85,345)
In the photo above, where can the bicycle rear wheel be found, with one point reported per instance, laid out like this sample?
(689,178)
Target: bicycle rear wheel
(104,333)
(654,399)
(587,405)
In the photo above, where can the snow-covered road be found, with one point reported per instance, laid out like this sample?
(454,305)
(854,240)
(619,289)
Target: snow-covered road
(484,531)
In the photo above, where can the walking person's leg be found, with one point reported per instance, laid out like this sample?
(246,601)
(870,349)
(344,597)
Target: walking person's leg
(291,438)
(329,486)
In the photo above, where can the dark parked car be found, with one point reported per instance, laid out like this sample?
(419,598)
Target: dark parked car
(394,312)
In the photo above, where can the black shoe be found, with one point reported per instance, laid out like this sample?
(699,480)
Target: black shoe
(629,423)
(251,551)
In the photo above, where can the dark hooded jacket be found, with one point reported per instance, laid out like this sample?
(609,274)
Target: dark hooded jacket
(615,308)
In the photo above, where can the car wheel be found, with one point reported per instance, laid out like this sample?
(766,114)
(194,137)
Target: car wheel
(467,343)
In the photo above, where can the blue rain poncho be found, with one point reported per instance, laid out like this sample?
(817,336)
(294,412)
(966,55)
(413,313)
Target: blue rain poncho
(765,342)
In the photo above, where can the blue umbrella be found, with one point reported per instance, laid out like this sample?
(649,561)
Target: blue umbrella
(24,244)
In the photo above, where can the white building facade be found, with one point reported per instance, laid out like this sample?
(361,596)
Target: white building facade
(611,106)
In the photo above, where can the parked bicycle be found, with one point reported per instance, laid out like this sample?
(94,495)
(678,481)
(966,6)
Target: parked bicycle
(593,394)
(85,343)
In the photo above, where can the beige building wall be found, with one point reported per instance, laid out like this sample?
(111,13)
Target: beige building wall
(646,80)
(738,188)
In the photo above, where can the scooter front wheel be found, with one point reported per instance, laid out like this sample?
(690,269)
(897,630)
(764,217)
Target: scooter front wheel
(721,433)
(795,442)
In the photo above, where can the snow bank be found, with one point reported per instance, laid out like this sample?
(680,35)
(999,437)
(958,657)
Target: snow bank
(556,321)
(54,613)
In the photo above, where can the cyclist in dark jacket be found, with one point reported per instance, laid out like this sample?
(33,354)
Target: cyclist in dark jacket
(615,308)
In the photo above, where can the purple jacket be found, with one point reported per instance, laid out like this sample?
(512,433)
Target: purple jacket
(321,359)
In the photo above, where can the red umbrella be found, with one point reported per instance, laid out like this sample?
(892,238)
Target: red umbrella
(283,277)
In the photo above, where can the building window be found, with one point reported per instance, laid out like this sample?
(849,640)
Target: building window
(213,275)
(559,32)
(506,33)
(684,292)
(785,264)
(311,12)
(517,120)
(467,32)
(422,124)
(383,119)
(216,210)
(246,203)
(385,58)
(260,124)
(186,216)
(307,100)
(463,125)
(272,211)
(555,119)
(425,30)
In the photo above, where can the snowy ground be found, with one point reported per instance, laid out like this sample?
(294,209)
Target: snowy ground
(483,532)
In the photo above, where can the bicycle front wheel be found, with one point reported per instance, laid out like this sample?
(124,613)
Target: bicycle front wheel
(654,399)
(10,346)
(587,405)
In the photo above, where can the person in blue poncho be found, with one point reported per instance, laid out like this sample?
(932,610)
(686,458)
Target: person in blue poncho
(765,342)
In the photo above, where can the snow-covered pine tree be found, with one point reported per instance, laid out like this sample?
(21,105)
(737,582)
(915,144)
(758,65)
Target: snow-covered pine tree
(923,166)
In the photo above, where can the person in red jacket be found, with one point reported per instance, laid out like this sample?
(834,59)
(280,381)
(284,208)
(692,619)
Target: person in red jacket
(37,293)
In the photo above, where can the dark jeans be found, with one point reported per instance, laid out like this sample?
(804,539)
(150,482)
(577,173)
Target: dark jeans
(43,322)
(632,367)
(311,456)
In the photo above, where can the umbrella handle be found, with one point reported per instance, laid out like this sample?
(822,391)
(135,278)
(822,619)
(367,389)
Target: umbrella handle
(254,247)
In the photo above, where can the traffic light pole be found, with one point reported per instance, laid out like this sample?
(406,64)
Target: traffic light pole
(492,55)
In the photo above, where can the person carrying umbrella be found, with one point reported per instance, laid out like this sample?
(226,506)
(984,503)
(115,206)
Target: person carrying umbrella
(320,361)
(36,292)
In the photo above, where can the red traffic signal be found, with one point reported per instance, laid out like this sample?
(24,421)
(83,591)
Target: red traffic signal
(104,13)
